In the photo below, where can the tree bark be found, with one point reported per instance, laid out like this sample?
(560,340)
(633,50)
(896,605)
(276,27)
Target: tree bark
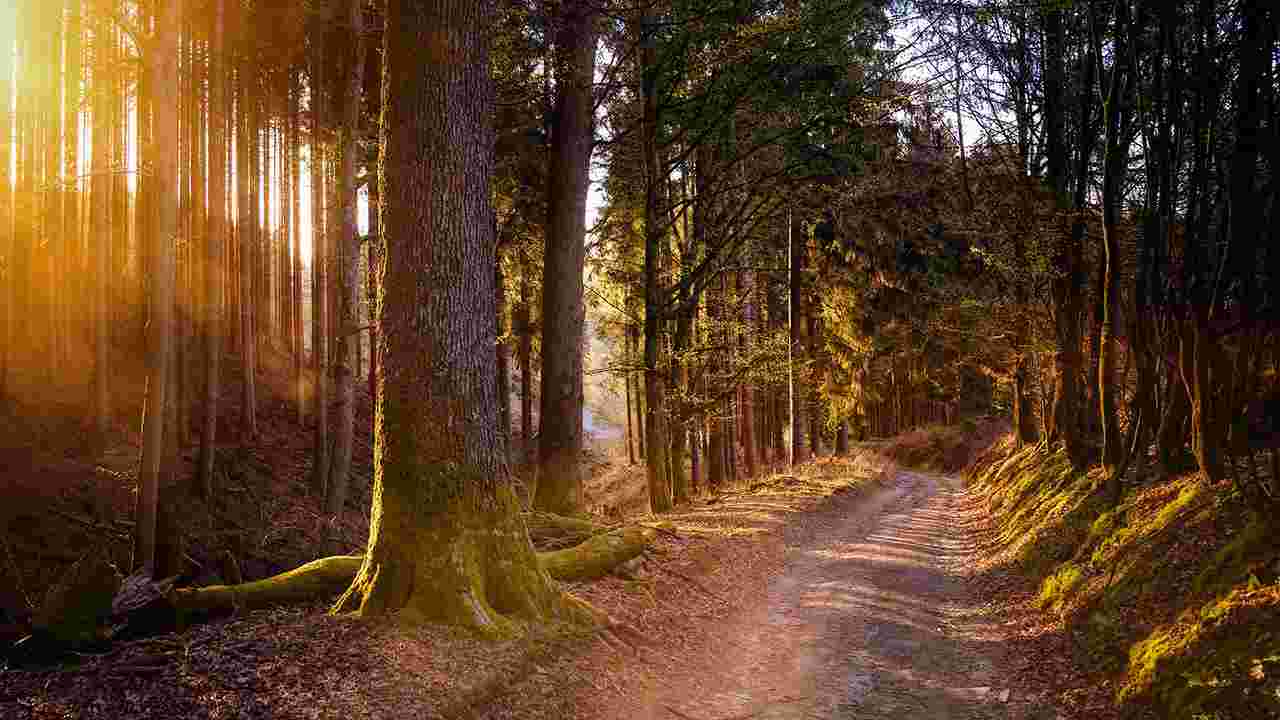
(524,355)
(746,393)
(215,241)
(1114,158)
(99,220)
(319,284)
(348,267)
(795,321)
(560,436)
(295,210)
(372,283)
(246,235)
(162,66)
(8,235)
(660,494)
(504,355)
(446,542)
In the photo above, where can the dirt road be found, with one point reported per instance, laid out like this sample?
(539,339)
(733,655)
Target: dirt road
(869,619)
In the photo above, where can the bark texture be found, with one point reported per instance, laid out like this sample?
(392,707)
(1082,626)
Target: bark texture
(348,254)
(560,437)
(446,541)
(164,78)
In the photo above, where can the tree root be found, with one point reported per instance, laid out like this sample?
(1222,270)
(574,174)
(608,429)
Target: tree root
(598,555)
(329,576)
(549,531)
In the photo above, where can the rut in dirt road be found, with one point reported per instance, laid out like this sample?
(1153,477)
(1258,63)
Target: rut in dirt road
(868,620)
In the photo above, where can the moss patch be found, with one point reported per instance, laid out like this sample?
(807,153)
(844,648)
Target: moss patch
(1172,593)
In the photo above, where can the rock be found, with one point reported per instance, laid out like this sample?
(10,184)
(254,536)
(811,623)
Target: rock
(79,602)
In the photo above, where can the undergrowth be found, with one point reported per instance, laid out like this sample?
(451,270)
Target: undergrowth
(944,448)
(1173,593)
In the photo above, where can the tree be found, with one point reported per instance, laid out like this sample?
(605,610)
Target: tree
(216,241)
(446,541)
(348,264)
(162,66)
(246,235)
(560,437)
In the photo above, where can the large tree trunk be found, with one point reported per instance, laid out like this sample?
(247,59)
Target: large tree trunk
(560,436)
(163,69)
(348,267)
(214,243)
(446,542)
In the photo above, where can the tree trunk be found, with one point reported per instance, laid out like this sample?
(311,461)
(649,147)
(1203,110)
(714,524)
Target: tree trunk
(795,321)
(1114,160)
(746,393)
(660,496)
(295,210)
(524,354)
(679,431)
(99,220)
(163,69)
(372,284)
(70,235)
(504,356)
(246,234)
(214,243)
(8,235)
(319,285)
(348,267)
(447,542)
(626,379)
(811,380)
(560,436)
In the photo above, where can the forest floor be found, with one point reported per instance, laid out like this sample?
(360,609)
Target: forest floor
(844,590)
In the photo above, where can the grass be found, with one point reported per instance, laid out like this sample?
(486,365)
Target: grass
(1173,594)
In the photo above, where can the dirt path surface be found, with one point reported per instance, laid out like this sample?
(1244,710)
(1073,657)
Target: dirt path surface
(869,618)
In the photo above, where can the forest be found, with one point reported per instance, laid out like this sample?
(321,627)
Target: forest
(687,359)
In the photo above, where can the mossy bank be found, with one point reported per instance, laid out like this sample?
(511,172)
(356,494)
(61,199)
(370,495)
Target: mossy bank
(1171,596)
